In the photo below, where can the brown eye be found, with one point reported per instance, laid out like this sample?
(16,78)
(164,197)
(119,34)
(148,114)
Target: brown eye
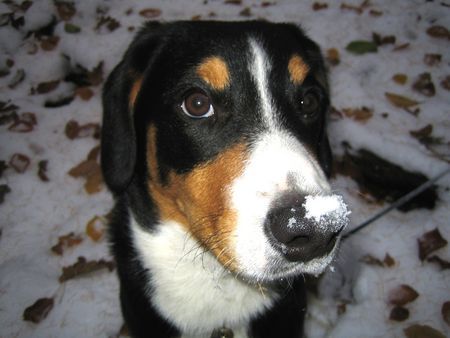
(309,105)
(197,105)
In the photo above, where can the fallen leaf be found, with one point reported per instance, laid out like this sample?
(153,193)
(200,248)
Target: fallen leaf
(388,261)
(439,32)
(84,169)
(95,228)
(360,47)
(4,189)
(93,153)
(401,47)
(71,28)
(66,241)
(358,9)
(362,114)
(383,40)
(446,312)
(432,59)
(3,167)
(109,22)
(150,13)
(29,117)
(430,242)
(333,57)
(422,331)
(444,265)
(20,126)
(84,93)
(19,162)
(445,83)
(47,87)
(74,130)
(83,267)
(94,182)
(317,6)
(233,2)
(400,78)
(422,133)
(49,43)
(42,171)
(402,295)
(38,311)
(400,101)
(399,314)
(424,85)
(66,9)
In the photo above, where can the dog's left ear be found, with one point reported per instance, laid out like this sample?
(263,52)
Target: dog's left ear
(119,150)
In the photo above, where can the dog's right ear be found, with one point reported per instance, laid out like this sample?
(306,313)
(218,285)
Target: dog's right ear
(121,90)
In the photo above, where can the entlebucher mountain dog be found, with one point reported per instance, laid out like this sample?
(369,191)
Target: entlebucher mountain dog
(214,147)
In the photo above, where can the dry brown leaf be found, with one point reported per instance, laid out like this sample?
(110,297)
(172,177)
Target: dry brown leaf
(66,241)
(445,83)
(93,153)
(400,100)
(49,43)
(84,93)
(422,133)
(446,312)
(439,32)
(362,114)
(47,87)
(39,310)
(74,130)
(150,13)
(84,169)
(317,6)
(400,78)
(422,331)
(95,228)
(424,85)
(83,267)
(429,242)
(402,295)
(333,56)
(4,189)
(432,59)
(66,9)
(94,182)
(19,162)
(246,12)
(21,126)
(388,261)
(399,314)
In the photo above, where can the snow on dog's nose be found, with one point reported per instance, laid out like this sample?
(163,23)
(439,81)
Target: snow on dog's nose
(304,228)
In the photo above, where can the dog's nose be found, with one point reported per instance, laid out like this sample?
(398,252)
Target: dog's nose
(296,234)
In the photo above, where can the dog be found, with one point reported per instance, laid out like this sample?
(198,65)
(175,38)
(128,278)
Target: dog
(215,149)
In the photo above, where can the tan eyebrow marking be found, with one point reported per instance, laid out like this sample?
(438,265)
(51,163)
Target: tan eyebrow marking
(298,69)
(214,71)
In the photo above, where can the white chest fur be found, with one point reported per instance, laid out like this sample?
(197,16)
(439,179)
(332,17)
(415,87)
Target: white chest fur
(190,287)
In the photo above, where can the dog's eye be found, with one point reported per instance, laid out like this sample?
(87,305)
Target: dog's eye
(197,105)
(309,105)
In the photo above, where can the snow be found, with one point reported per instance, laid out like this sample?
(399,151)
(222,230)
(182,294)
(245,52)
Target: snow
(329,212)
(36,213)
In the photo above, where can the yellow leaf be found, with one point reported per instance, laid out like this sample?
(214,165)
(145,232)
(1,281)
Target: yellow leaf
(400,100)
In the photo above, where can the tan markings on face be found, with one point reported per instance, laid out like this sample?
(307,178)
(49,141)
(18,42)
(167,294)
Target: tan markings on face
(298,69)
(200,200)
(135,88)
(214,71)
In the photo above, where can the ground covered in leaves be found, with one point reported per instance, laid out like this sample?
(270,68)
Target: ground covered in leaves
(390,124)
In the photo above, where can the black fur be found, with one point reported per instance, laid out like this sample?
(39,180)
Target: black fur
(163,55)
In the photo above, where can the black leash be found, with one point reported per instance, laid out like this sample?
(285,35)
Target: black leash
(402,200)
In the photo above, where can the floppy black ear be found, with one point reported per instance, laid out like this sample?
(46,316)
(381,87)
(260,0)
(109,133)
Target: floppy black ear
(118,141)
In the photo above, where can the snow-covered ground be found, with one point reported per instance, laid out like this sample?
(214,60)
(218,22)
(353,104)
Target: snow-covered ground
(354,298)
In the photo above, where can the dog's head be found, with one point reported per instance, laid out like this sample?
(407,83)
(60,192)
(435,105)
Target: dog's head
(223,124)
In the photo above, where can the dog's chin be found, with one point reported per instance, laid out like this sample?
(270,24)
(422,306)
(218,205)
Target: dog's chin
(279,269)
